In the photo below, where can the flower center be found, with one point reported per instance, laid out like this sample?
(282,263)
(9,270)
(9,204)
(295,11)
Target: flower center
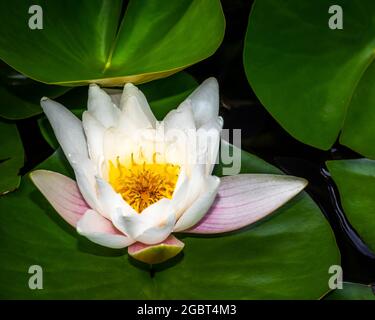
(142,184)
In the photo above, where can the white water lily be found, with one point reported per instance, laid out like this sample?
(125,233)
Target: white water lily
(133,189)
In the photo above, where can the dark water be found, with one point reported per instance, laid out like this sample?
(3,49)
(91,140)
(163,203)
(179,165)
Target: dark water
(262,136)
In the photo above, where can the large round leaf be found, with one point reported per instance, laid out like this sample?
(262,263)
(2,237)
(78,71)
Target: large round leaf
(89,41)
(359,130)
(314,80)
(11,157)
(355,180)
(284,256)
(20,95)
(351,291)
(20,102)
(14,106)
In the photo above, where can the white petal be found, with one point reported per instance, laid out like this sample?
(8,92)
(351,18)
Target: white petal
(114,206)
(181,181)
(67,128)
(200,206)
(100,105)
(69,133)
(133,117)
(117,145)
(94,131)
(101,231)
(189,190)
(135,109)
(181,119)
(85,172)
(205,101)
(154,224)
(208,143)
(180,136)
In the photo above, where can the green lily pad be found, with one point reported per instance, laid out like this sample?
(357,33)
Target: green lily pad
(163,95)
(284,256)
(355,180)
(351,291)
(20,95)
(11,157)
(315,81)
(89,40)
(14,106)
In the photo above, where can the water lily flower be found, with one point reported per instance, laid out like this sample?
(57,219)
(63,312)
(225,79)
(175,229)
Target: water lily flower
(134,191)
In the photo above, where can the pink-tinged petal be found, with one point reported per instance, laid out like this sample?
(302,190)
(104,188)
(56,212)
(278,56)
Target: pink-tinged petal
(62,193)
(101,231)
(245,199)
(157,253)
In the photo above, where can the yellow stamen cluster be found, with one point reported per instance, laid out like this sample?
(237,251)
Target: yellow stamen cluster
(142,184)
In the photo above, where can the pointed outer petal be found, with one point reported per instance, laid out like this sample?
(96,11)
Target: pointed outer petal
(69,132)
(157,253)
(153,225)
(181,118)
(114,206)
(134,103)
(205,101)
(133,117)
(115,95)
(200,206)
(67,128)
(245,199)
(100,105)
(62,193)
(101,231)
(94,132)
